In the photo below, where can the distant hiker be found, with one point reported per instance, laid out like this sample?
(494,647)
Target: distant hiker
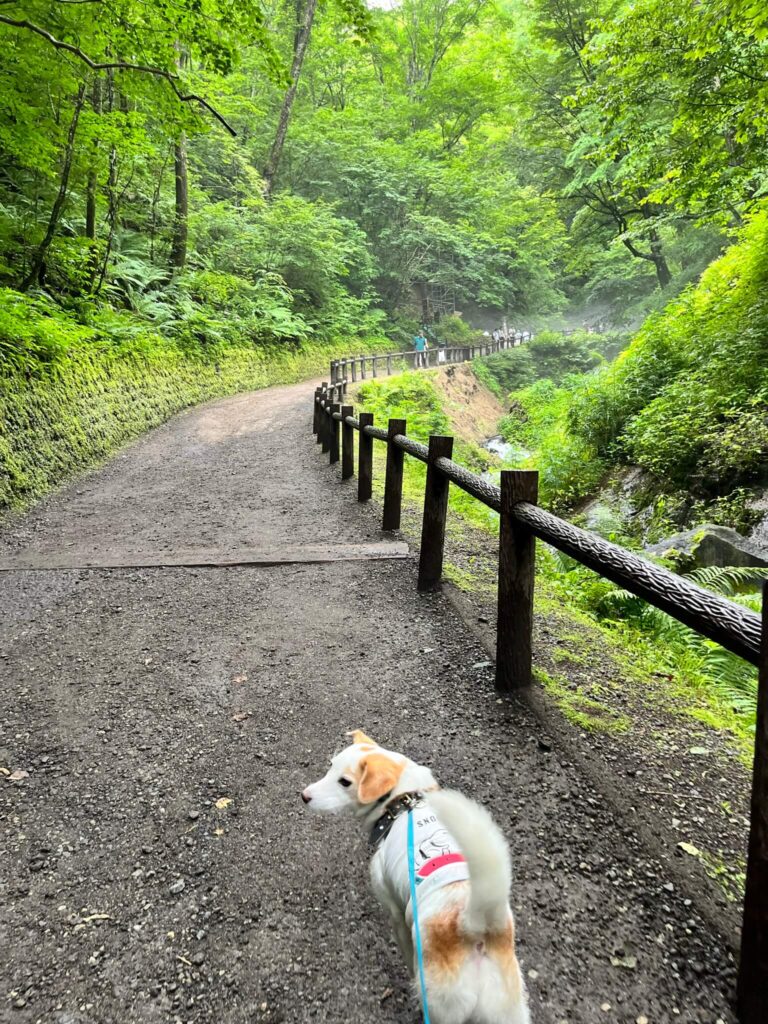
(420,346)
(441,353)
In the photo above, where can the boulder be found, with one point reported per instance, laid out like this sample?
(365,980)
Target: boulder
(759,533)
(710,545)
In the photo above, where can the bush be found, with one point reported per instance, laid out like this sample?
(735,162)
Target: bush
(453,330)
(538,421)
(410,396)
(550,355)
(687,399)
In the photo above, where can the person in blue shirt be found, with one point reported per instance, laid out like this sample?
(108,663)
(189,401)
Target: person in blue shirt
(420,347)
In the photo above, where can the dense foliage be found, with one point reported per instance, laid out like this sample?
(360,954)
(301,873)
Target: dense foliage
(549,355)
(184,179)
(688,400)
(502,157)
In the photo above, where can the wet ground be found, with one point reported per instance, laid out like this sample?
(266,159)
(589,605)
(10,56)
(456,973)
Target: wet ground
(158,724)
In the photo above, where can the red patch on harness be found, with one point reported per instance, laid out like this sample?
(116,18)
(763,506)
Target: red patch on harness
(430,866)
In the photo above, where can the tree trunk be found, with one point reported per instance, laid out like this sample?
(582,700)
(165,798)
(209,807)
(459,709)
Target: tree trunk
(90,196)
(180,225)
(304,22)
(112,204)
(37,269)
(155,202)
(90,206)
(657,256)
(659,260)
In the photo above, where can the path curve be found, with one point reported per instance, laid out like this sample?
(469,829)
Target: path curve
(158,862)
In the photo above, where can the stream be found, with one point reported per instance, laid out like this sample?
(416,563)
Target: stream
(506,450)
(510,454)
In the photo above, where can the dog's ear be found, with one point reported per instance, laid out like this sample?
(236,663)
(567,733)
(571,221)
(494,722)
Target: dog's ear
(379,775)
(358,736)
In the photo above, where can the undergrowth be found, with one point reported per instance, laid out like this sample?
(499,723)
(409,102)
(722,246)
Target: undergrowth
(414,398)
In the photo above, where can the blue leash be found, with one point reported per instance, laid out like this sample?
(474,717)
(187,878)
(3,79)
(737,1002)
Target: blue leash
(415,911)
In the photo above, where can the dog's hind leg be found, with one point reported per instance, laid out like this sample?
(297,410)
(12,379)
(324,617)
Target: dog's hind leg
(403,937)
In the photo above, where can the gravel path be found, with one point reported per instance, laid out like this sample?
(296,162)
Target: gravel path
(158,864)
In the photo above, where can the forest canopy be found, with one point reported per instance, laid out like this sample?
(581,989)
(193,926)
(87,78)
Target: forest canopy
(326,169)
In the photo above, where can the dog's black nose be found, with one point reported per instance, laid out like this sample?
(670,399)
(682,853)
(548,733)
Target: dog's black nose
(305,798)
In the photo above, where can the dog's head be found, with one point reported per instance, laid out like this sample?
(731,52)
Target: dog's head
(363,776)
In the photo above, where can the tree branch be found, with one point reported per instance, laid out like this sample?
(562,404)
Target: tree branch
(119,65)
(636,252)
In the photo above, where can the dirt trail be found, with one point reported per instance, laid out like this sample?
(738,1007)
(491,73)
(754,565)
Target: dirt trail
(158,864)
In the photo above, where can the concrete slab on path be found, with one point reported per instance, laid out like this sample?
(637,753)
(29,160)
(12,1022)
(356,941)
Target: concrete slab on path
(158,863)
(296,554)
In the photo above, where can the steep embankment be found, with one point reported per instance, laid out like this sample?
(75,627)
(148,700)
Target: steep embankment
(473,410)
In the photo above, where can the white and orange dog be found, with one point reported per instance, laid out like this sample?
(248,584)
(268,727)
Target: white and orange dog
(462,874)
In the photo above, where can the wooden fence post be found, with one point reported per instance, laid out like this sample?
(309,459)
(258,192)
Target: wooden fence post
(364,458)
(435,510)
(389,365)
(321,422)
(354,369)
(334,427)
(393,481)
(321,414)
(316,411)
(752,986)
(373,365)
(362,367)
(326,427)
(347,444)
(517,552)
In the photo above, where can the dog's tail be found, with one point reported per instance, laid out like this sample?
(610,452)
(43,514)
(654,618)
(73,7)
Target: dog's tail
(487,856)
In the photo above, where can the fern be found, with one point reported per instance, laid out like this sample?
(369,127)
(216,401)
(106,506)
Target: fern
(728,580)
(733,679)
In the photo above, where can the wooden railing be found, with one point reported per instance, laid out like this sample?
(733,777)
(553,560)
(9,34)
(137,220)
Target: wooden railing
(522,520)
(355,368)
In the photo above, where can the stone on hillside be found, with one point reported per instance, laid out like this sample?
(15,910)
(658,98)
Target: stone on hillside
(710,545)
(759,533)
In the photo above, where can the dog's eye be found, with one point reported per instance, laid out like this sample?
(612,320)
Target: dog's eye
(345,782)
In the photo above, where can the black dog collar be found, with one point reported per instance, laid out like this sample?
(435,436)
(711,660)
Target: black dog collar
(382,826)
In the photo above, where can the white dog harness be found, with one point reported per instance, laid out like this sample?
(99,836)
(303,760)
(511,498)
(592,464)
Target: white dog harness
(438,860)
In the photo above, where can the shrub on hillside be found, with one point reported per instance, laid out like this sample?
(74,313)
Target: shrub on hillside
(538,421)
(409,396)
(687,399)
(549,355)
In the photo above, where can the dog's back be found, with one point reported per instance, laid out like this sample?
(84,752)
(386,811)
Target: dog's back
(468,936)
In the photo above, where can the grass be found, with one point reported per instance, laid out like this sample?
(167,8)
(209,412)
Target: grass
(580,709)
